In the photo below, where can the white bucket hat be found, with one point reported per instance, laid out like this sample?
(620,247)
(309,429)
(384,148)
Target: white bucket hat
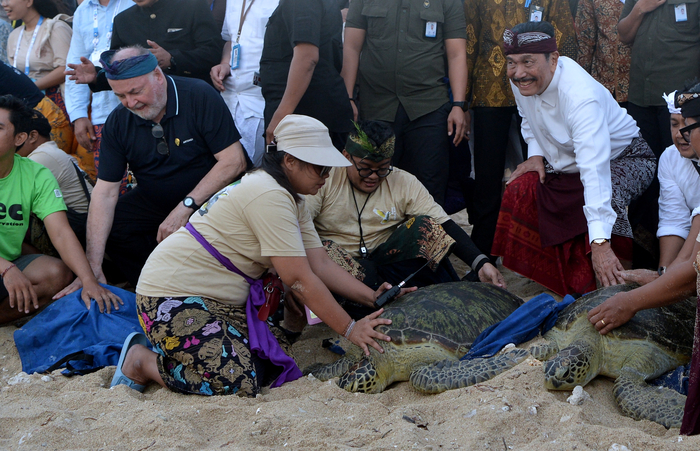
(307,139)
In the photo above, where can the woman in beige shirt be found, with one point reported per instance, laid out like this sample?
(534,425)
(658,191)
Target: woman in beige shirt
(40,46)
(199,310)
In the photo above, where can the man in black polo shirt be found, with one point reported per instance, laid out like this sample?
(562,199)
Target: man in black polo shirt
(178,138)
(300,66)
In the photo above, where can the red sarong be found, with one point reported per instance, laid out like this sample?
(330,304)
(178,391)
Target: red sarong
(564,268)
(691,412)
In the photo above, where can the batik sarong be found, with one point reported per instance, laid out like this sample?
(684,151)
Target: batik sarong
(203,346)
(566,268)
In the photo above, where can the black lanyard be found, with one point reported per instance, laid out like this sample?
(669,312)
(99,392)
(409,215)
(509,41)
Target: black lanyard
(363,248)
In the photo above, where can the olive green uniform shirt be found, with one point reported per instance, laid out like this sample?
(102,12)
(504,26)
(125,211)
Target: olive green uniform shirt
(399,63)
(486,22)
(665,52)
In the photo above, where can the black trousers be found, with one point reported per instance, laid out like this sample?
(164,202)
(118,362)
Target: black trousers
(134,232)
(423,149)
(490,135)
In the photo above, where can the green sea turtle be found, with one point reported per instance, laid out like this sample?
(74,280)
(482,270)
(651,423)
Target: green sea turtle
(434,323)
(653,342)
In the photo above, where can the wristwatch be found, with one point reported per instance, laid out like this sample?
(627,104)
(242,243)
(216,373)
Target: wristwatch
(462,105)
(190,203)
(173,65)
(600,241)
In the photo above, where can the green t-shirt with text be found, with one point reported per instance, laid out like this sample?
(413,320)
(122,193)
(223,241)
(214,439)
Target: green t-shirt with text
(30,188)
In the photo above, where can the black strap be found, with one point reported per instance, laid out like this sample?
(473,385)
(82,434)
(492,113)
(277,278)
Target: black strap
(696,166)
(70,370)
(81,178)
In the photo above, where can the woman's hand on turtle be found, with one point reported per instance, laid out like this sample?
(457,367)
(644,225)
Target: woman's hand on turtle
(489,274)
(612,313)
(640,276)
(363,334)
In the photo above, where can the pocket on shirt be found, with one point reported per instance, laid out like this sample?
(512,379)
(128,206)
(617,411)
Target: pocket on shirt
(686,31)
(377,23)
(418,25)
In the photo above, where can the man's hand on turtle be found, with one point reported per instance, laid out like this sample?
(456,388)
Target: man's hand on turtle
(607,267)
(490,274)
(614,312)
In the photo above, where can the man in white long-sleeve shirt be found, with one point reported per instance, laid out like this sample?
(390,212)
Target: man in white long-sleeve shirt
(573,126)
(679,178)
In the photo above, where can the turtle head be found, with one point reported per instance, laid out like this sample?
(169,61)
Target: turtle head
(362,377)
(574,365)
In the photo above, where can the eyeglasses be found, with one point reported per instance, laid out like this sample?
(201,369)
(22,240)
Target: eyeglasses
(367,172)
(158,133)
(322,171)
(685,131)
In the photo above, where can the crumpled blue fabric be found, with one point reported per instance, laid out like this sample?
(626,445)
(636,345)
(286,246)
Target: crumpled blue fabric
(675,379)
(66,327)
(536,316)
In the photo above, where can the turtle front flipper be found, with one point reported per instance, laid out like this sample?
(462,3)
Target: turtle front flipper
(641,401)
(450,374)
(544,351)
(326,372)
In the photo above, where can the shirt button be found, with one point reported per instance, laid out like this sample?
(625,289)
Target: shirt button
(400,50)
(153,16)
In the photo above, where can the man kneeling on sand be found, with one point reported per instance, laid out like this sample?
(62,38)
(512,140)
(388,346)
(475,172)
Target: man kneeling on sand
(381,224)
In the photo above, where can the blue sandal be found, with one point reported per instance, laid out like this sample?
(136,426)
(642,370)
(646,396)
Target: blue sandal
(134,338)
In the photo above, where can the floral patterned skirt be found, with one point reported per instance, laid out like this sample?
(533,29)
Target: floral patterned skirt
(203,346)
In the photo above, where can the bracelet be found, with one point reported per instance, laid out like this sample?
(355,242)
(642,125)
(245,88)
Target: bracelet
(661,270)
(7,269)
(352,99)
(349,328)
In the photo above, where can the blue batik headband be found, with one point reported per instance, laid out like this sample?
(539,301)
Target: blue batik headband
(129,67)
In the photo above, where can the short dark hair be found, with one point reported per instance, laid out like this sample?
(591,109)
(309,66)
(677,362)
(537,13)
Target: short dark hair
(20,113)
(40,124)
(531,27)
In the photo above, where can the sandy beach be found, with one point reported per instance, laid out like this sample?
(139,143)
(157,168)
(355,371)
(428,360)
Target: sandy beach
(510,412)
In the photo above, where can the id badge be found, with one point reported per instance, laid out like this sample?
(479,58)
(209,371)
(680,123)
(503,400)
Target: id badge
(256,79)
(430,29)
(95,58)
(235,56)
(681,13)
(536,13)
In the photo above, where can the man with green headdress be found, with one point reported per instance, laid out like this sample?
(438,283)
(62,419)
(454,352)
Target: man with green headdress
(381,224)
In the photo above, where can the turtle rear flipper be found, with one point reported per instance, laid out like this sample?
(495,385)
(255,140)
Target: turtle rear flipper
(641,401)
(331,370)
(450,374)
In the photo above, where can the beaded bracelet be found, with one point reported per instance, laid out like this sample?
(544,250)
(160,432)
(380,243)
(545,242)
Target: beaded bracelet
(348,329)
(7,269)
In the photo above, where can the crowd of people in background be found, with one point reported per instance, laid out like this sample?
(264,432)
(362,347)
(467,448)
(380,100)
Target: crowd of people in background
(565,128)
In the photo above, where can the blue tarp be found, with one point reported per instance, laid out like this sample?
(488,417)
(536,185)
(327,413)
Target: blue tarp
(66,327)
(536,316)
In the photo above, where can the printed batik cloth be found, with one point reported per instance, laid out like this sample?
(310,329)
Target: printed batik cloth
(203,346)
